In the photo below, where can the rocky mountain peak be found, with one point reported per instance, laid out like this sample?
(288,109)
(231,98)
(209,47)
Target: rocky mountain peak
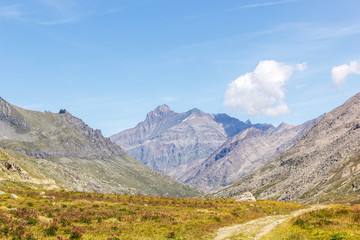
(163,109)
(196,112)
(248,122)
(283,126)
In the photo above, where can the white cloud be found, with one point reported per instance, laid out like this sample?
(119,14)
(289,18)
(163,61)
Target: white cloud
(339,73)
(261,91)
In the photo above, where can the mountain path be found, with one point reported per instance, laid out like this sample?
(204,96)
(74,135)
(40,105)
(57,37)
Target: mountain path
(258,228)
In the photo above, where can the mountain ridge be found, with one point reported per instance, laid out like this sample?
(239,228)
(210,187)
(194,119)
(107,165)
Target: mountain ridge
(73,155)
(173,143)
(323,165)
(244,153)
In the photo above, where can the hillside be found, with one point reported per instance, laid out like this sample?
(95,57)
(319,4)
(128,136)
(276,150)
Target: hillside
(323,166)
(66,151)
(174,143)
(244,153)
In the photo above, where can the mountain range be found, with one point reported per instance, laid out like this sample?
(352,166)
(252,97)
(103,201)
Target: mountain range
(317,161)
(244,153)
(175,143)
(58,150)
(208,151)
(322,166)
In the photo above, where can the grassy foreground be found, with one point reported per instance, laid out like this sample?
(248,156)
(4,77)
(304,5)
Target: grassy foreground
(74,215)
(335,222)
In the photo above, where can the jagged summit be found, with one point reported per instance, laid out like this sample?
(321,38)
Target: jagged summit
(163,108)
(161,111)
(248,122)
(196,111)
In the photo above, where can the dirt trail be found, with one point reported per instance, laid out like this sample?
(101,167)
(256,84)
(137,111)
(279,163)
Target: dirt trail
(259,227)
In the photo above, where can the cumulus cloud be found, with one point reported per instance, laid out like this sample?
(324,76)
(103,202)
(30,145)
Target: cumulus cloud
(261,91)
(340,73)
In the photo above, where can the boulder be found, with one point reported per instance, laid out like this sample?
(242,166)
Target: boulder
(50,197)
(14,196)
(8,165)
(2,193)
(246,197)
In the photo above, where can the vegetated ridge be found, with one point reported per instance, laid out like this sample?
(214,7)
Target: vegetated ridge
(322,166)
(174,143)
(70,154)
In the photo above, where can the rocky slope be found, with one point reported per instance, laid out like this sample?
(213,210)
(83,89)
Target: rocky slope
(14,173)
(69,153)
(242,154)
(173,143)
(322,166)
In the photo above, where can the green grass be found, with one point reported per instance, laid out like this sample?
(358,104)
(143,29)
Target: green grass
(74,215)
(336,222)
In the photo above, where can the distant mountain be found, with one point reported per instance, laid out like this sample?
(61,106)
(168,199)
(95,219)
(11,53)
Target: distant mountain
(322,166)
(65,151)
(244,153)
(174,143)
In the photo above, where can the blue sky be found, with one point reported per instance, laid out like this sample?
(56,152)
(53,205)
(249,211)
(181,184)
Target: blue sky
(110,62)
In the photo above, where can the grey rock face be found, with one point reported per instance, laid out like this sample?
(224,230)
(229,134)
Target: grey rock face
(10,115)
(323,165)
(242,154)
(173,143)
